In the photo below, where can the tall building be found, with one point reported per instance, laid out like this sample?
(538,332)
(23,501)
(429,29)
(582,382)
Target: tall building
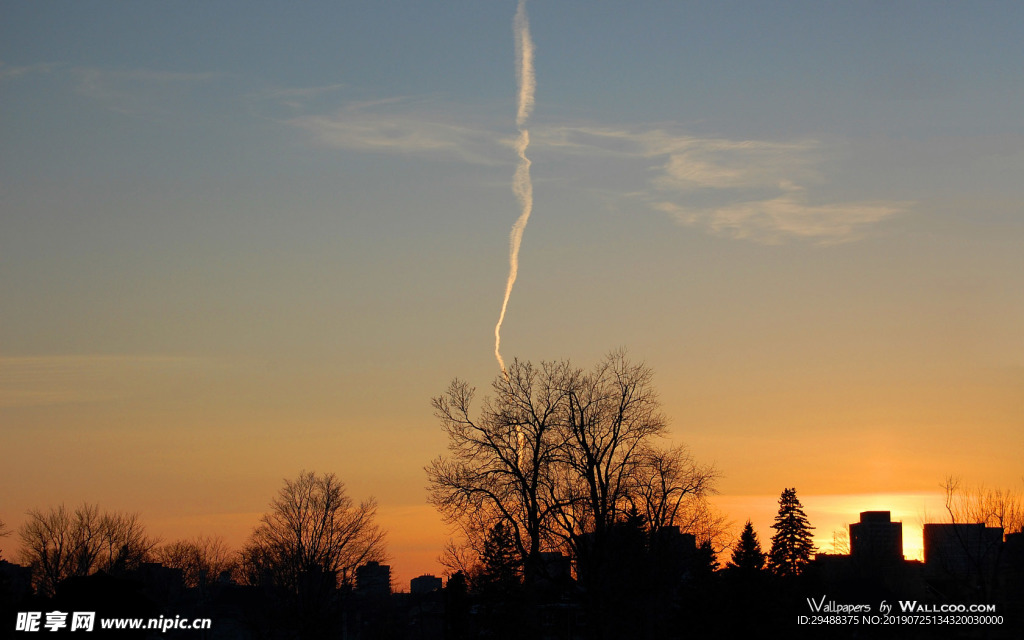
(373,578)
(876,538)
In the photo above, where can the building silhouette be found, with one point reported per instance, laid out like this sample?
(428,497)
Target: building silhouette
(555,566)
(962,550)
(425,584)
(15,581)
(876,538)
(373,578)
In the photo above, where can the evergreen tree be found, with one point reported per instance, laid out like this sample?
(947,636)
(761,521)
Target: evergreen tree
(503,611)
(747,557)
(500,559)
(791,545)
(707,559)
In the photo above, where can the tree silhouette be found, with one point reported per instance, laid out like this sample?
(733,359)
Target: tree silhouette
(747,557)
(611,414)
(841,540)
(1003,508)
(499,467)
(501,563)
(791,545)
(314,531)
(967,507)
(201,559)
(503,611)
(4,532)
(670,488)
(59,544)
(706,560)
(559,456)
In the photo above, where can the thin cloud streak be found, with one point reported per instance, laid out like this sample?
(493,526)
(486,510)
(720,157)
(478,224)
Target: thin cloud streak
(756,190)
(142,93)
(754,186)
(52,380)
(683,163)
(525,77)
(9,72)
(522,186)
(289,93)
(771,221)
(757,187)
(294,99)
(361,130)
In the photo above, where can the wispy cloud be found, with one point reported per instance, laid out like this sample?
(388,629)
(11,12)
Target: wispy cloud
(52,380)
(141,92)
(12,72)
(287,93)
(758,190)
(773,220)
(749,189)
(293,99)
(379,127)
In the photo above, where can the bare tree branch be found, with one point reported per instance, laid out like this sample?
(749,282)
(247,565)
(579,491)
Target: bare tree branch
(313,527)
(202,559)
(59,544)
(558,454)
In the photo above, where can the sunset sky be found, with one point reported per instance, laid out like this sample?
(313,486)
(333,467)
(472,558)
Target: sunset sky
(239,240)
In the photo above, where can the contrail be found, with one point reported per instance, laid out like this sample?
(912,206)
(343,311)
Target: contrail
(521,184)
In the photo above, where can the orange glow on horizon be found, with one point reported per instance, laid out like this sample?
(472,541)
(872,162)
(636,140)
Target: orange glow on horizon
(833,513)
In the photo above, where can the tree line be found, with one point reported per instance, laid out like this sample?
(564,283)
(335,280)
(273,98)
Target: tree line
(312,526)
(559,470)
(558,459)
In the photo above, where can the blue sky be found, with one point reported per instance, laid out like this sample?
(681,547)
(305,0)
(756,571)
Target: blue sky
(286,226)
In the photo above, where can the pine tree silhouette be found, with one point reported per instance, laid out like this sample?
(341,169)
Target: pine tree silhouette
(747,557)
(791,545)
(501,562)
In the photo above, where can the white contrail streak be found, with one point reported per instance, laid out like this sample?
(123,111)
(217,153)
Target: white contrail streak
(522,186)
(524,65)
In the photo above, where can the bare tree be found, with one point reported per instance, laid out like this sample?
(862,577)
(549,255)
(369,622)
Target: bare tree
(707,524)
(124,543)
(999,512)
(202,559)
(1002,508)
(500,468)
(559,456)
(841,540)
(4,532)
(314,529)
(59,544)
(460,558)
(671,489)
(612,412)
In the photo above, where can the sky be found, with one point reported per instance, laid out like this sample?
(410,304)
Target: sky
(240,240)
